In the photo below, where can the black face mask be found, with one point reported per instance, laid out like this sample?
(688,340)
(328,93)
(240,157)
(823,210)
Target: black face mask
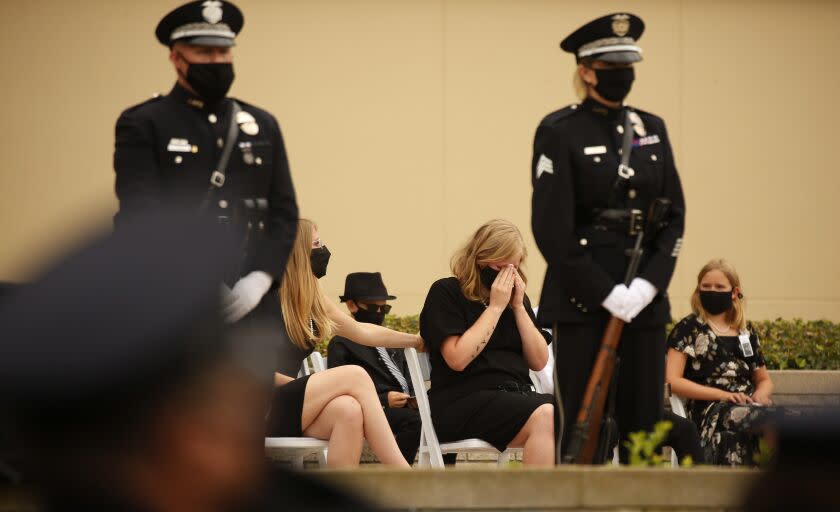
(716,303)
(319,258)
(211,81)
(488,275)
(614,84)
(369,317)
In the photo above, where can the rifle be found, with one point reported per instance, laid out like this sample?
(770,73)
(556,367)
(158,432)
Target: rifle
(584,440)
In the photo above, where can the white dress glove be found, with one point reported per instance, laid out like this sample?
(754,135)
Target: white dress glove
(616,302)
(641,293)
(245,295)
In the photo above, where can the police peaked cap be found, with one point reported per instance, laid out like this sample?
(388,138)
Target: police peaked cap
(202,23)
(611,38)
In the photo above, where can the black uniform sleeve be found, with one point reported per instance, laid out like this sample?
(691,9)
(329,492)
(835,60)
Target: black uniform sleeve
(275,244)
(337,354)
(665,247)
(137,182)
(553,221)
(442,315)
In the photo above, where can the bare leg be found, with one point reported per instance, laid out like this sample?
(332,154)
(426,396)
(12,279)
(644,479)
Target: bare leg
(537,437)
(354,381)
(341,422)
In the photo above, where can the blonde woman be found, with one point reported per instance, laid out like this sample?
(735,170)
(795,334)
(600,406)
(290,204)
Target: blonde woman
(339,404)
(716,363)
(482,338)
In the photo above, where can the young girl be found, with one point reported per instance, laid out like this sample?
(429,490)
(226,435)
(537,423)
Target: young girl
(716,363)
(482,339)
(339,404)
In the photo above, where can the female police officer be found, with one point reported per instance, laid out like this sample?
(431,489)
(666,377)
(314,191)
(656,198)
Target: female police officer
(586,210)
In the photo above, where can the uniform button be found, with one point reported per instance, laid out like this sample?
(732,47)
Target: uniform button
(220,142)
(194,149)
(258,161)
(653,157)
(223,204)
(584,242)
(631,193)
(585,310)
(212,118)
(572,300)
(179,159)
(596,159)
(619,129)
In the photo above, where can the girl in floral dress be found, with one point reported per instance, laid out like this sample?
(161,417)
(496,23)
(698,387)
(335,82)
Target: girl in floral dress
(715,362)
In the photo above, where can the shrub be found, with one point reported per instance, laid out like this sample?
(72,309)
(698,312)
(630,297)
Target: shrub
(787,344)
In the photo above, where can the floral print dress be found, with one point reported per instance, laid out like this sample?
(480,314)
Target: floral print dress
(728,431)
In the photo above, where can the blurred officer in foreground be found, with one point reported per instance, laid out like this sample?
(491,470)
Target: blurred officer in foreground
(199,149)
(120,389)
(805,469)
(588,204)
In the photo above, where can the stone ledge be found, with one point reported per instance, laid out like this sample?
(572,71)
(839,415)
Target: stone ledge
(806,382)
(562,488)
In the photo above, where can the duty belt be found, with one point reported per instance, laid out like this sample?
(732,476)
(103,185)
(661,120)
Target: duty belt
(629,221)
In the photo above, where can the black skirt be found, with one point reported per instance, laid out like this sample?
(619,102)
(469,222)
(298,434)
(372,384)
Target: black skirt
(284,419)
(490,415)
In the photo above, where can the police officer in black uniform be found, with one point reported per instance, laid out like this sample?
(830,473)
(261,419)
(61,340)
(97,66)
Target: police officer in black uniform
(169,150)
(586,211)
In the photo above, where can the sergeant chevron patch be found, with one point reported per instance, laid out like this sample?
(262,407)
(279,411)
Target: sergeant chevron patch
(544,165)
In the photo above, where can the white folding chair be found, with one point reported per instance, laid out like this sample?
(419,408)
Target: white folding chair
(678,408)
(300,447)
(431,451)
(318,362)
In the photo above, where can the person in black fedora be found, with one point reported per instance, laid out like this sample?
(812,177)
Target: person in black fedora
(366,298)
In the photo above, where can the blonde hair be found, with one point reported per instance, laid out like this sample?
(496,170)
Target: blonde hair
(735,316)
(301,300)
(494,241)
(580,87)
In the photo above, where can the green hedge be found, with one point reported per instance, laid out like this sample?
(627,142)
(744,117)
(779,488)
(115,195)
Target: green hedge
(787,344)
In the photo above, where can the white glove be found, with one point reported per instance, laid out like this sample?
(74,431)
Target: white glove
(616,302)
(641,294)
(246,294)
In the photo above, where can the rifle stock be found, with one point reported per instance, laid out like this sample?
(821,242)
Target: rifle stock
(585,435)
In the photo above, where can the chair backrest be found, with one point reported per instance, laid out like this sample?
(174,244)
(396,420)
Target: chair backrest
(319,364)
(428,430)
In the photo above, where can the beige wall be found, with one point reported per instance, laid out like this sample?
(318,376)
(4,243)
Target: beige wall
(409,122)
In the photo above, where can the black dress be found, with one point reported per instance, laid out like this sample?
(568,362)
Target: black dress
(284,418)
(470,404)
(728,431)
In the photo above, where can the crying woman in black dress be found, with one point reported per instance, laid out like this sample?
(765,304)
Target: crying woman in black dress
(482,338)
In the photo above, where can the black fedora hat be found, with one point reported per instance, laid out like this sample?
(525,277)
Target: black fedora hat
(365,286)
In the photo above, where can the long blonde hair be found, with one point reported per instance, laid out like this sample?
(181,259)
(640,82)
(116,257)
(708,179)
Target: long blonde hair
(735,316)
(301,300)
(495,240)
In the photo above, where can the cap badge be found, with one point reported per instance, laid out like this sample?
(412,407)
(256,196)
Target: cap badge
(621,24)
(212,11)
(247,123)
(638,124)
